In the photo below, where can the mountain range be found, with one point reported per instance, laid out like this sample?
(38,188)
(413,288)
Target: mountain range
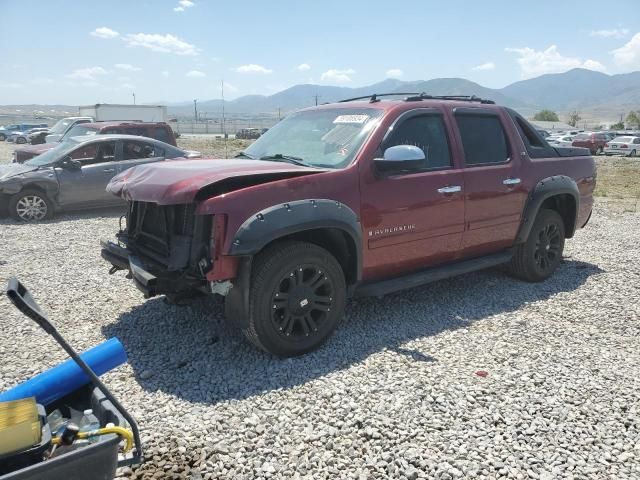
(598,97)
(593,94)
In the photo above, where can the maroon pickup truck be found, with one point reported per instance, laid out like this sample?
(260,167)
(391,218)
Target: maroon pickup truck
(354,198)
(159,130)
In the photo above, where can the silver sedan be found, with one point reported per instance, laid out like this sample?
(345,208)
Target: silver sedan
(627,145)
(74,174)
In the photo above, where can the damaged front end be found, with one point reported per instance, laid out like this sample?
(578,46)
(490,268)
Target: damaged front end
(167,249)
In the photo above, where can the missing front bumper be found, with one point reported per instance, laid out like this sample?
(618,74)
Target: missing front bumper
(150,283)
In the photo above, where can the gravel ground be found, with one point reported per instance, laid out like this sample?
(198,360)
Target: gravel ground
(395,392)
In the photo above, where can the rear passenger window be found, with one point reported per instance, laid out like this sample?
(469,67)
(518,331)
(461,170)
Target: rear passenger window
(483,139)
(428,133)
(161,134)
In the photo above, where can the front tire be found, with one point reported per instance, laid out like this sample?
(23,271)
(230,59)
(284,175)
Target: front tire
(3,137)
(20,140)
(30,205)
(296,300)
(537,258)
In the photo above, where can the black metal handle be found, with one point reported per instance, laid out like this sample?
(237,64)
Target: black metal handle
(22,299)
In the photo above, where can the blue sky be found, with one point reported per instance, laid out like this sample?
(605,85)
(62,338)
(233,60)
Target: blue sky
(79,52)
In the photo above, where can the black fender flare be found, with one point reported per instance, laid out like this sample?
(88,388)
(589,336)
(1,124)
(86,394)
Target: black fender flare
(276,222)
(297,216)
(546,188)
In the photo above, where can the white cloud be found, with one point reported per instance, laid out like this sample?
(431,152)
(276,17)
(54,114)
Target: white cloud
(161,43)
(196,74)
(104,32)
(89,73)
(228,88)
(612,33)
(628,55)
(164,73)
(253,68)
(485,66)
(337,76)
(182,5)
(303,67)
(394,73)
(538,62)
(128,67)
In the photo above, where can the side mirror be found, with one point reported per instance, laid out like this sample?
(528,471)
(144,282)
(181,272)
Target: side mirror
(401,158)
(69,163)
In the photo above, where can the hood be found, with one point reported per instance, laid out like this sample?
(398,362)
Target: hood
(183,181)
(13,169)
(30,151)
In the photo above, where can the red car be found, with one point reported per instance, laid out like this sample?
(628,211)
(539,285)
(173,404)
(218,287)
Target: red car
(595,142)
(159,130)
(354,198)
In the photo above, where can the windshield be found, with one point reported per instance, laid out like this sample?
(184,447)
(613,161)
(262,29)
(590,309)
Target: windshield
(60,126)
(80,130)
(327,138)
(51,156)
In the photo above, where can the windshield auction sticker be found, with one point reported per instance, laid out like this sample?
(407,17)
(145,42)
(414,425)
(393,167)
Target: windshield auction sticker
(351,119)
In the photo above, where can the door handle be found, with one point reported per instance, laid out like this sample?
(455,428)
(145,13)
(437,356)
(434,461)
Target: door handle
(511,181)
(109,170)
(451,189)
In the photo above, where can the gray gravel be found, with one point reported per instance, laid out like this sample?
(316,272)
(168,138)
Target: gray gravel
(394,394)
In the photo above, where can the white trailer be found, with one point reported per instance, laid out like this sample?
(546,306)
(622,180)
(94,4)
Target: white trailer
(103,112)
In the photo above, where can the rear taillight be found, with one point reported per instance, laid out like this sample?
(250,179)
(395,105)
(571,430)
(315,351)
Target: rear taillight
(624,146)
(606,145)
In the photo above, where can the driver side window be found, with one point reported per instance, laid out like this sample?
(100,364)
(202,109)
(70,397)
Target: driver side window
(428,133)
(99,152)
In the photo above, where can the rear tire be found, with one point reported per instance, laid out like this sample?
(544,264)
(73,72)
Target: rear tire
(632,153)
(537,258)
(30,205)
(20,140)
(599,151)
(3,137)
(296,299)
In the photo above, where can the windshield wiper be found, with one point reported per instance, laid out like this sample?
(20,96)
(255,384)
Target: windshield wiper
(245,154)
(279,157)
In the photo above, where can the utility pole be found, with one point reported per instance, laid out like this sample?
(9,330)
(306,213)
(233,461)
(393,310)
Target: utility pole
(279,114)
(316,98)
(134,98)
(195,109)
(224,130)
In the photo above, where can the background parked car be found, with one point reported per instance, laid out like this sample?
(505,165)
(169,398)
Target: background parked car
(249,133)
(37,136)
(560,141)
(628,145)
(594,141)
(18,127)
(75,173)
(159,130)
(23,136)
(63,125)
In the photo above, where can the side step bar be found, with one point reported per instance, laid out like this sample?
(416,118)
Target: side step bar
(433,274)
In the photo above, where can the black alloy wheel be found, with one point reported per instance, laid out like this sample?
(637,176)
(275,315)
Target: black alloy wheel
(301,301)
(296,298)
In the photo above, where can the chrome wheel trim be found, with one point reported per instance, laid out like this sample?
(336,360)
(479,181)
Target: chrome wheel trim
(31,208)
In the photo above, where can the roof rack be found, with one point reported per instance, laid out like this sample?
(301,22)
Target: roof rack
(462,98)
(415,97)
(374,98)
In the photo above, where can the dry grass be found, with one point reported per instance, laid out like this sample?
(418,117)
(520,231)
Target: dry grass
(213,147)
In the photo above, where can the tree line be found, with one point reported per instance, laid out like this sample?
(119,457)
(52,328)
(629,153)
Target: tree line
(632,120)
